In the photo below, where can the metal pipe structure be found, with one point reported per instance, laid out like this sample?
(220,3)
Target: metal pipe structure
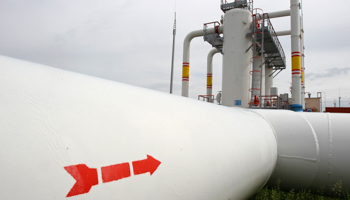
(283,33)
(65,134)
(186,57)
(277,14)
(210,73)
(295,45)
(236,58)
(313,150)
(302,57)
(268,80)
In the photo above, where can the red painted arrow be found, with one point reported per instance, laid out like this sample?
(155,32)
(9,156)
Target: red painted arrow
(147,165)
(86,178)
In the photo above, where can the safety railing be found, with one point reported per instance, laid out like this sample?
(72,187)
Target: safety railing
(275,38)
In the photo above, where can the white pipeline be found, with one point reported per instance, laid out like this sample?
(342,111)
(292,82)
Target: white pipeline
(313,150)
(210,73)
(186,57)
(67,134)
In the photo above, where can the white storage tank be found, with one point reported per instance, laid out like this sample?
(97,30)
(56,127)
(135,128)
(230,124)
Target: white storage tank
(236,58)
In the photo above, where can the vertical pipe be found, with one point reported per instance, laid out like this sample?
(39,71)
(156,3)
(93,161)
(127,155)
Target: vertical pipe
(302,58)
(263,80)
(186,57)
(210,73)
(268,79)
(295,44)
(172,57)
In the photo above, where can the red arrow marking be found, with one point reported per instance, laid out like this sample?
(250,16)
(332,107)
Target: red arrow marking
(147,165)
(86,178)
(115,172)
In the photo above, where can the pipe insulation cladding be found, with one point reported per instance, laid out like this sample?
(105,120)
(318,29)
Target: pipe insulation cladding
(313,150)
(64,134)
(67,134)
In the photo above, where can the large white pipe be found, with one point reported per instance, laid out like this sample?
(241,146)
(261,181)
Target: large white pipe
(54,123)
(313,150)
(186,57)
(236,58)
(295,45)
(210,73)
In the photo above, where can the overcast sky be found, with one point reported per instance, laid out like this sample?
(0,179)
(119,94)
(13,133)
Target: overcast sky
(130,41)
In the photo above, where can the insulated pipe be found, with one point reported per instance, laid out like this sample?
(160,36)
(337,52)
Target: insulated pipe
(186,57)
(283,13)
(313,150)
(302,61)
(277,14)
(268,80)
(282,33)
(210,72)
(62,130)
(68,134)
(295,45)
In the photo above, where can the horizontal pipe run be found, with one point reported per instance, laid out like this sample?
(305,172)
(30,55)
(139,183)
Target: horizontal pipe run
(277,14)
(59,137)
(283,13)
(283,33)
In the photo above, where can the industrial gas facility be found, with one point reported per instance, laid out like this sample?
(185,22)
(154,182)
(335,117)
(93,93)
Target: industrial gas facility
(70,136)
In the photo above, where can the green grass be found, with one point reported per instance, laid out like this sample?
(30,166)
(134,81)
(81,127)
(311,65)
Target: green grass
(276,194)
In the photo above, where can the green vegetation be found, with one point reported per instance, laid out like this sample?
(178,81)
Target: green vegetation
(276,194)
